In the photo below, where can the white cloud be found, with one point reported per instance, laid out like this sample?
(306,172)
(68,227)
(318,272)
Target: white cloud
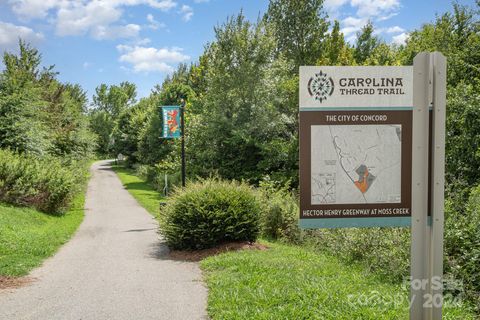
(187,12)
(154,24)
(390,30)
(86,65)
(367,10)
(115,32)
(351,25)
(99,18)
(33,8)
(10,33)
(164,5)
(400,39)
(375,8)
(395,29)
(333,8)
(80,19)
(150,18)
(149,59)
(351,39)
(386,17)
(331,5)
(143,42)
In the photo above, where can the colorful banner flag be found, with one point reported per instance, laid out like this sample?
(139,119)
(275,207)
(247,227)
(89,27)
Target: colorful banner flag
(171,122)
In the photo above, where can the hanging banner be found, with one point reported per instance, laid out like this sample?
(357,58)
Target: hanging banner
(171,122)
(355,146)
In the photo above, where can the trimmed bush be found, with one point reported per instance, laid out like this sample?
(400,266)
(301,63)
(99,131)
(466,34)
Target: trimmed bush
(47,185)
(208,213)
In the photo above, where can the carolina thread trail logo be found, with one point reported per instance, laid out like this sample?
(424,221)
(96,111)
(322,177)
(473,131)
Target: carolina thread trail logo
(320,86)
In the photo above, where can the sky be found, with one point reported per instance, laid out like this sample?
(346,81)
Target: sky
(109,41)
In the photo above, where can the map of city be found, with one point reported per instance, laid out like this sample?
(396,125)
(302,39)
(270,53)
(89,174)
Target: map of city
(356,164)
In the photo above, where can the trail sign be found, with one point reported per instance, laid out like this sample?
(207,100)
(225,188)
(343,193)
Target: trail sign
(355,146)
(372,153)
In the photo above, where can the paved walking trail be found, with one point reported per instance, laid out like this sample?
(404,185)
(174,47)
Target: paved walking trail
(115,267)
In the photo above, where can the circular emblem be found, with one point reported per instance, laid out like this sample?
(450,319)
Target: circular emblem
(320,86)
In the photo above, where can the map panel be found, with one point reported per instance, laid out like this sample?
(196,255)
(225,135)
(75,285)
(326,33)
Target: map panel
(356,164)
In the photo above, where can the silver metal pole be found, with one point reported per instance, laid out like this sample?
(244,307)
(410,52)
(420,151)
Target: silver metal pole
(165,188)
(438,184)
(420,131)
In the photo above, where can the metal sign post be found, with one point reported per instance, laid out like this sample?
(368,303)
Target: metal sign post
(427,227)
(438,179)
(420,136)
(372,153)
(182,119)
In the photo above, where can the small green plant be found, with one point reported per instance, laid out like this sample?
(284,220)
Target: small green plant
(210,212)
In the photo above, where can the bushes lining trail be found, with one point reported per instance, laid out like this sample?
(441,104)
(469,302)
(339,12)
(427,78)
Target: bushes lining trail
(27,236)
(47,184)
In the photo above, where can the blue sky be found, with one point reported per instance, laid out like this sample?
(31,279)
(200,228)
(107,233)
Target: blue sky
(109,41)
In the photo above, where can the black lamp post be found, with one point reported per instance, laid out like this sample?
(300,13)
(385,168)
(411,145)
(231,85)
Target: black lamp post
(182,123)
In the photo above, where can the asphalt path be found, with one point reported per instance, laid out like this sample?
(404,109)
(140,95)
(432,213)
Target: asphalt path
(115,267)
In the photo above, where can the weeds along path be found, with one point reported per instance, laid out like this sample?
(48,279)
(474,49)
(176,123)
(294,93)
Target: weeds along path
(115,267)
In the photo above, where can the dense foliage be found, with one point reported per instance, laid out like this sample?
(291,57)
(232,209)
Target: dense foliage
(462,238)
(279,212)
(45,138)
(208,213)
(38,114)
(46,184)
(241,120)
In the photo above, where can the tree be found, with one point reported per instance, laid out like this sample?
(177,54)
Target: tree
(383,55)
(245,124)
(336,51)
(457,36)
(129,128)
(366,43)
(21,127)
(463,137)
(39,114)
(108,104)
(299,27)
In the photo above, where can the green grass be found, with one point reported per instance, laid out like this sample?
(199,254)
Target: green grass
(290,282)
(142,191)
(27,236)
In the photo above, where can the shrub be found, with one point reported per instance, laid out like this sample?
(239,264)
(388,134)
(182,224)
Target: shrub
(155,175)
(173,180)
(208,213)
(279,219)
(462,245)
(383,250)
(47,185)
(146,172)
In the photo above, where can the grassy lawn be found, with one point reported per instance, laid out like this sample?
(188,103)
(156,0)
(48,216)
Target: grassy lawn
(27,236)
(289,282)
(142,191)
